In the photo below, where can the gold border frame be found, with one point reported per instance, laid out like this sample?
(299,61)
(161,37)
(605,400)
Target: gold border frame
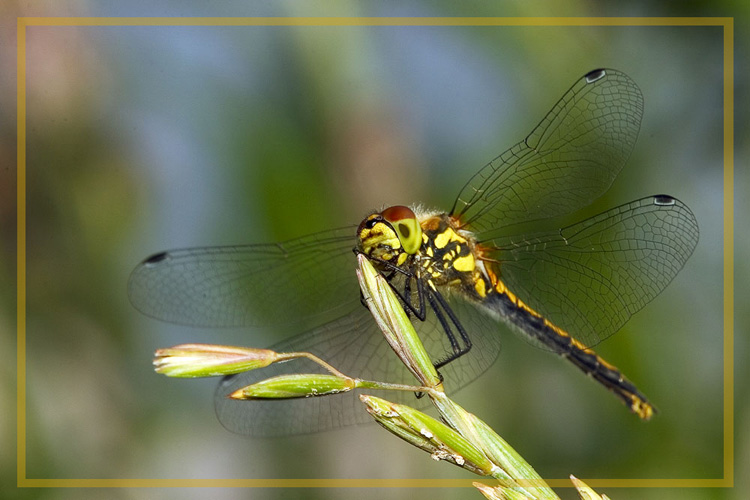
(727,23)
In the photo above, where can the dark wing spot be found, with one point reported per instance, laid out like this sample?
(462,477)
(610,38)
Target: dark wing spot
(663,199)
(156,258)
(595,75)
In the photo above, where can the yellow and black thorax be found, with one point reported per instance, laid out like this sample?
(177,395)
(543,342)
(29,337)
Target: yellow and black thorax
(431,247)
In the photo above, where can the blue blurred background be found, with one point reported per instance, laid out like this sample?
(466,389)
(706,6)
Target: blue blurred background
(141,139)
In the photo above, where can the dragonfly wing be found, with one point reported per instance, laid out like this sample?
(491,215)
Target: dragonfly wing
(348,344)
(354,345)
(250,285)
(568,160)
(483,330)
(591,277)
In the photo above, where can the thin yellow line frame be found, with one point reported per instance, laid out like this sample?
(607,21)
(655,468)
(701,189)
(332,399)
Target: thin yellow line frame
(728,45)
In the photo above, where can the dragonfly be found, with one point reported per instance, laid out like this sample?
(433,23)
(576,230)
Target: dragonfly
(461,274)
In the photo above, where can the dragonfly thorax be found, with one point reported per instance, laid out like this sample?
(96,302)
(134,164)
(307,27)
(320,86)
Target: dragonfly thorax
(448,255)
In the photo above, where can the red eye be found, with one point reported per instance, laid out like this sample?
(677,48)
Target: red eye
(397,213)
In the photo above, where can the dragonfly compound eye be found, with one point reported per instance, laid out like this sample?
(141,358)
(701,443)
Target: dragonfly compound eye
(406,225)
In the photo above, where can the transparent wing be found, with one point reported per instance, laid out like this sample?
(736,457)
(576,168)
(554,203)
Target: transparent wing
(252,285)
(591,277)
(310,278)
(568,160)
(354,345)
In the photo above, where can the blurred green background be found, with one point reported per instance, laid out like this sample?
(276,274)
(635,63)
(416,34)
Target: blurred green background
(141,139)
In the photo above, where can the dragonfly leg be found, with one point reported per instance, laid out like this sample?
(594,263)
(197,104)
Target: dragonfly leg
(420,312)
(438,304)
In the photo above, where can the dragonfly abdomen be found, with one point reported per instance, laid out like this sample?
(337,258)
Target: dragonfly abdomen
(531,324)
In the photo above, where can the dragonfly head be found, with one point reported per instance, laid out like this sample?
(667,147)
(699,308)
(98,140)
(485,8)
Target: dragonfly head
(391,235)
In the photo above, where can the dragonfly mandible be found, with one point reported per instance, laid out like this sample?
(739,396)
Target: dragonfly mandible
(459,273)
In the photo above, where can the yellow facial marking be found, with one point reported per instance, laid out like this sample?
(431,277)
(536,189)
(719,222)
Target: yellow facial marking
(379,240)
